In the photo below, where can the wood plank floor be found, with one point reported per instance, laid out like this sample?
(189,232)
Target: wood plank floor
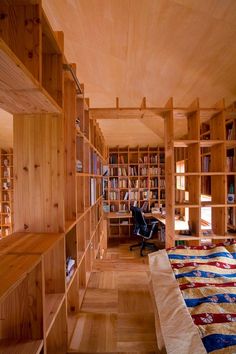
(117,313)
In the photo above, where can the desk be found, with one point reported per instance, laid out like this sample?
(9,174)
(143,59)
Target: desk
(179,224)
(121,224)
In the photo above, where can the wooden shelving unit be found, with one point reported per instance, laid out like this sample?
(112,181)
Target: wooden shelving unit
(58,157)
(207,157)
(6,199)
(21,319)
(134,175)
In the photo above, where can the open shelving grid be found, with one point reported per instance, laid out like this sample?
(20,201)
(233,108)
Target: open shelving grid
(134,176)
(84,213)
(204,151)
(58,211)
(6,199)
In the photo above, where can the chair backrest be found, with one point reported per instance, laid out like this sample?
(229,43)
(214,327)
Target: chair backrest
(140,223)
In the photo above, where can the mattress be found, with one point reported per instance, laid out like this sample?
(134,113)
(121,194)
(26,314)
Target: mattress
(194,291)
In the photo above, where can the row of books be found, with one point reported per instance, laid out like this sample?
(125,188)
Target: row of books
(144,183)
(230,164)
(133,195)
(148,159)
(206,163)
(153,195)
(93,191)
(122,171)
(135,171)
(6,219)
(123,183)
(162,183)
(123,159)
(154,183)
(6,196)
(95,164)
(114,195)
(6,172)
(144,195)
(163,194)
(155,170)
(113,159)
(114,182)
(232,216)
(230,131)
(5,208)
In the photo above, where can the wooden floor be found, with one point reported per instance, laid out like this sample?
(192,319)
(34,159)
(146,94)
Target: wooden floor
(117,312)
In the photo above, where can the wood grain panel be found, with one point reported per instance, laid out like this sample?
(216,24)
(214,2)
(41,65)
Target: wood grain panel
(38,173)
(20,92)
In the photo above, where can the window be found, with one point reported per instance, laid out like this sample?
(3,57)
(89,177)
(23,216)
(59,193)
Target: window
(180,180)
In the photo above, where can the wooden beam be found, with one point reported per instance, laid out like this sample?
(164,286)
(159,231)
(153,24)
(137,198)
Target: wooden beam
(126,113)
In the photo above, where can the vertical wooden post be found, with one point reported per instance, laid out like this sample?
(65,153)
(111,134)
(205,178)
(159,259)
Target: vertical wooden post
(218,164)
(194,162)
(70,115)
(169,174)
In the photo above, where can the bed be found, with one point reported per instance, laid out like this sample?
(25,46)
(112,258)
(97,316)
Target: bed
(194,292)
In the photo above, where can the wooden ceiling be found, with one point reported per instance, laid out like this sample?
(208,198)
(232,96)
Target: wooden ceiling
(148,48)
(153,48)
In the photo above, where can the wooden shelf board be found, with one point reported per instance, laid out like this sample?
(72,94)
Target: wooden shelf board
(184,143)
(20,91)
(53,304)
(230,235)
(187,173)
(14,346)
(210,143)
(13,269)
(193,238)
(210,204)
(230,143)
(83,174)
(213,173)
(35,243)
(82,135)
(186,205)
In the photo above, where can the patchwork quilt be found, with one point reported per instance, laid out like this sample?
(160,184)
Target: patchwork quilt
(206,276)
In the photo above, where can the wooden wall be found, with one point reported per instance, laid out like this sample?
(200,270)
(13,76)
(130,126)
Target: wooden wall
(38,173)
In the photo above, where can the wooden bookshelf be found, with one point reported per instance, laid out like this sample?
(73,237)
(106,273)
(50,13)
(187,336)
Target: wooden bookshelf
(208,159)
(58,157)
(134,175)
(6,198)
(21,319)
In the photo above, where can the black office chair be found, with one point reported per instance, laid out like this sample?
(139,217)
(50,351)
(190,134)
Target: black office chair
(141,229)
